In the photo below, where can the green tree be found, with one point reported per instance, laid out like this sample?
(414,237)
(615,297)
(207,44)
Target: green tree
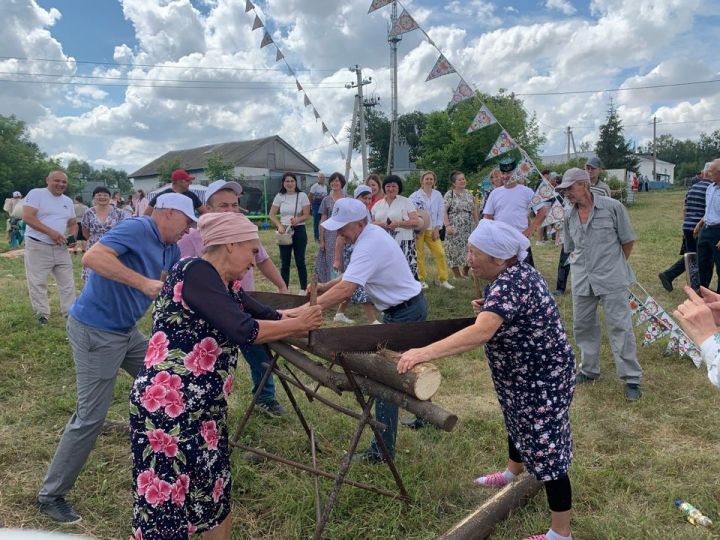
(165,170)
(23,166)
(612,148)
(219,169)
(447,146)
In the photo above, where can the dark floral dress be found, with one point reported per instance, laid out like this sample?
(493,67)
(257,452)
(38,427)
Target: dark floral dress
(178,404)
(533,369)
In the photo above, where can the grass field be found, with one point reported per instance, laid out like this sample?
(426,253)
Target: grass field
(631,460)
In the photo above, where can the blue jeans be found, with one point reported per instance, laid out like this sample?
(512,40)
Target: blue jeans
(387,412)
(255,355)
(316,219)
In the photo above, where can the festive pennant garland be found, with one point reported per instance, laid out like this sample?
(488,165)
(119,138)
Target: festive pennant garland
(279,56)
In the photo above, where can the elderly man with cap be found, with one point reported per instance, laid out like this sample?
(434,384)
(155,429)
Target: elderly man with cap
(181,181)
(531,363)
(510,203)
(599,237)
(594,167)
(222,196)
(48,213)
(378,264)
(128,266)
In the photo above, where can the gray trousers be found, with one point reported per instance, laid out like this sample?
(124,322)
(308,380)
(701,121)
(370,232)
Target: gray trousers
(40,260)
(98,356)
(618,321)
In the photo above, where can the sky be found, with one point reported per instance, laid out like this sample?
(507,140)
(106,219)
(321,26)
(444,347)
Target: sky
(120,82)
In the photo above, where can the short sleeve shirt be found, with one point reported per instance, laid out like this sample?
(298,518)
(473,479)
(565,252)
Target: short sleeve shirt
(318,192)
(53,211)
(399,210)
(510,206)
(290,205)
(434,204)
(378,264)
(197,203)
(597,262)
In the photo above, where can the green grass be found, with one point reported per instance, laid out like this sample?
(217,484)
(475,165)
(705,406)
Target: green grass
(631,460)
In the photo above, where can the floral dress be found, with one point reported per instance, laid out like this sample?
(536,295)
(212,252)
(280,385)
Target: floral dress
(533,370)
(178,403)
(325,257)
(460,214)
(98,229)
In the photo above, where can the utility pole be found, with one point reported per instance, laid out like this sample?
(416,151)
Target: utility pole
(567,133)
(360,111)
(654,147)
(353,127)
(393,89)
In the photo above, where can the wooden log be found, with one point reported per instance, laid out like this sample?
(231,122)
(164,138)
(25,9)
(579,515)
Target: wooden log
(422,381)
(479,524)
(338,382)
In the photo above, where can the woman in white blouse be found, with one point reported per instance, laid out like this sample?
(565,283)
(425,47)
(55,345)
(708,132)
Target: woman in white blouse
(293,207)
(398,216)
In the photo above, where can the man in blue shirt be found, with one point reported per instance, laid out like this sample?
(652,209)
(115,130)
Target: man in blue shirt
(708,244)
(128,267)
(693,211)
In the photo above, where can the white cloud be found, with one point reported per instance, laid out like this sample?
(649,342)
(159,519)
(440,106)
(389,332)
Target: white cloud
(564,6)
(249,95)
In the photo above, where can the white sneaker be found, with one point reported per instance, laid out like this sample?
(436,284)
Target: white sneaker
(302,292)
(446,285)
(340,317)
(423,285)
(376,322)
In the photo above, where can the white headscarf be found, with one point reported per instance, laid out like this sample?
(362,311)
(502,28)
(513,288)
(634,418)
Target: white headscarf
(499,240)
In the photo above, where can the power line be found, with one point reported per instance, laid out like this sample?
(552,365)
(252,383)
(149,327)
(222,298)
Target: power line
(114,64)
(628,89)
(226,86)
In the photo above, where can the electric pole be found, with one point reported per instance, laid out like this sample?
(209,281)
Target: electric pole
(393,40)
(360,112)
(353,128)
(654,147)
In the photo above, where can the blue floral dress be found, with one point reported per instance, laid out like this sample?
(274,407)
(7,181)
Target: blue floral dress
(533,370)
(178,408)
(98,228)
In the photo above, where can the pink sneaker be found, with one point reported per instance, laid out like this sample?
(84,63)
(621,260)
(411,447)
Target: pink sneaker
(537,537)
(494,480)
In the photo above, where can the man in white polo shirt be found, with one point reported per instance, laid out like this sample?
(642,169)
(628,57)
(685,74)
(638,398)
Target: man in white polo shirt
(378,264)
(48,215)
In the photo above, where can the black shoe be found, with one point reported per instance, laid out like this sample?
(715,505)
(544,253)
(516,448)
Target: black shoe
(558,292)
(367,457)
(581,378)
(42,320)
(414,423)
(272,408)
(666,281)
(632,392)
(59,510)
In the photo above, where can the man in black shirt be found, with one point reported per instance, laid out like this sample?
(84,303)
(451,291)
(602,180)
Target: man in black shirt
(181,181)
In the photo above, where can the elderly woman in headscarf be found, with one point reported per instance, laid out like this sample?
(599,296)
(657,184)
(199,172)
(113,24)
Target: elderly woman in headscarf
(178,405)
(531,363)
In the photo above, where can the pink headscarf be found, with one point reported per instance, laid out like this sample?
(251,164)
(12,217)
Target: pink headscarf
(226,228)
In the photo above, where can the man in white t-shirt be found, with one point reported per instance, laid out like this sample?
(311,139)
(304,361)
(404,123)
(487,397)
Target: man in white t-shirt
(318,191)
(510,203)
(378,264)
(48,215)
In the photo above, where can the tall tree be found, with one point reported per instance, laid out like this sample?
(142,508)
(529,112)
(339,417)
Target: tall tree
(219,169)
(612,148)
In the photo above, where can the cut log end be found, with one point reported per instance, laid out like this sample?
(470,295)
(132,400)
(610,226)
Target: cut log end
(427,381)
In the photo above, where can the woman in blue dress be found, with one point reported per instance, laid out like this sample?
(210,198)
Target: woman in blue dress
(178,404)
(531,363)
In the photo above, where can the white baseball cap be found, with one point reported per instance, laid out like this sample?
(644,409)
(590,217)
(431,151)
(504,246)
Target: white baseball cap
(17,194)
(362,189)
(219,185)
(346,210)
(177,201)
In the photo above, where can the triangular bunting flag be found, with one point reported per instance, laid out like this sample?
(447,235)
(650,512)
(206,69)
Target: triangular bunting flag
(673,344)
(482,119)
(267,40)
(636,305)
(325,130)
(377,4)
(503,144)
(544,191)
(306,101)
(462,92)
(441,67)
(654,332)
(523,169)
(694,354)
(279,55)
(248,6)
(404,23)
(299,86)
(317,114)
(257,23)
(556,214)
